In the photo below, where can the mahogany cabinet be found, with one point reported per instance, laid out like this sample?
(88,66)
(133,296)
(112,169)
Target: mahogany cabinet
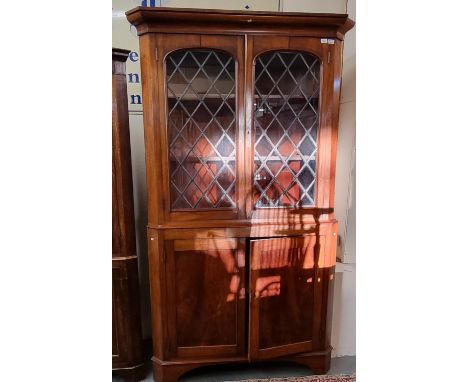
(127,351)
(241,117)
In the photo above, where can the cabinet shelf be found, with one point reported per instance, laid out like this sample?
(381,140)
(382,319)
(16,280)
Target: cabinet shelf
(294,158)
(193,97)
(279,96)
(281,158)
(206,159)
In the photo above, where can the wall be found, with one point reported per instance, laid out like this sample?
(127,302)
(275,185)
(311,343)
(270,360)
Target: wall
(344,319)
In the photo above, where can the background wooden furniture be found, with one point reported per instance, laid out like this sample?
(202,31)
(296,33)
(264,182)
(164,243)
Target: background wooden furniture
(127,352)
(241,118)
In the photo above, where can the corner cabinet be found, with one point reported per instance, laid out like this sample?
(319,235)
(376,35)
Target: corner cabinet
(127,346)
(241,118)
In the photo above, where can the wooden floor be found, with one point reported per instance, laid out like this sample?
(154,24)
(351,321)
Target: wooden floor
(341,365)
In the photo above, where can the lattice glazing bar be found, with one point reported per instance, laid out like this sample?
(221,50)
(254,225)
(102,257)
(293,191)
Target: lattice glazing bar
(202,129)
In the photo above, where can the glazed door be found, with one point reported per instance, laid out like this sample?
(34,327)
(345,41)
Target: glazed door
(284,296)
(206,297)
(289,96)
(201,105)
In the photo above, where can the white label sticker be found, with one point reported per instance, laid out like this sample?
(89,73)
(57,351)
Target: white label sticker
(331,41)
(324,41)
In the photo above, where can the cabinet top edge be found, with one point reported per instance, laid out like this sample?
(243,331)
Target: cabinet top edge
(243,21)
(119,54)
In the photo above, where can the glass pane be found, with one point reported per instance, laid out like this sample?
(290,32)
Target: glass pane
(287,89)
(201,92)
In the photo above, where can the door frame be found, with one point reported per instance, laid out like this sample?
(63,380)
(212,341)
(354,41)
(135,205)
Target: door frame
(256,45)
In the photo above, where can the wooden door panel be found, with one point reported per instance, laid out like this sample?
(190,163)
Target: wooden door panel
(283,284)
(207,296)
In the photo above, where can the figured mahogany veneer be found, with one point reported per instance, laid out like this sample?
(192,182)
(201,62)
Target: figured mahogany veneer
(248,277)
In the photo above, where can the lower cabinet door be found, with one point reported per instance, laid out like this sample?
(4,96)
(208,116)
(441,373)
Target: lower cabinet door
(285,296)
(206,297)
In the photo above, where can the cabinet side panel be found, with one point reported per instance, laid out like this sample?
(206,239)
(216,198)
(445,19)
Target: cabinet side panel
(157,274)
(150,85)
(337,68)
(331,284)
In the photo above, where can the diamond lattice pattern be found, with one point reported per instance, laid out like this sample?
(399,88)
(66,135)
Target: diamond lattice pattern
(287,88)
(202,129)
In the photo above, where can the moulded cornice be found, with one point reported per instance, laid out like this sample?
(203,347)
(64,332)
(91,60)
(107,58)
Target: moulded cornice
(211,21)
